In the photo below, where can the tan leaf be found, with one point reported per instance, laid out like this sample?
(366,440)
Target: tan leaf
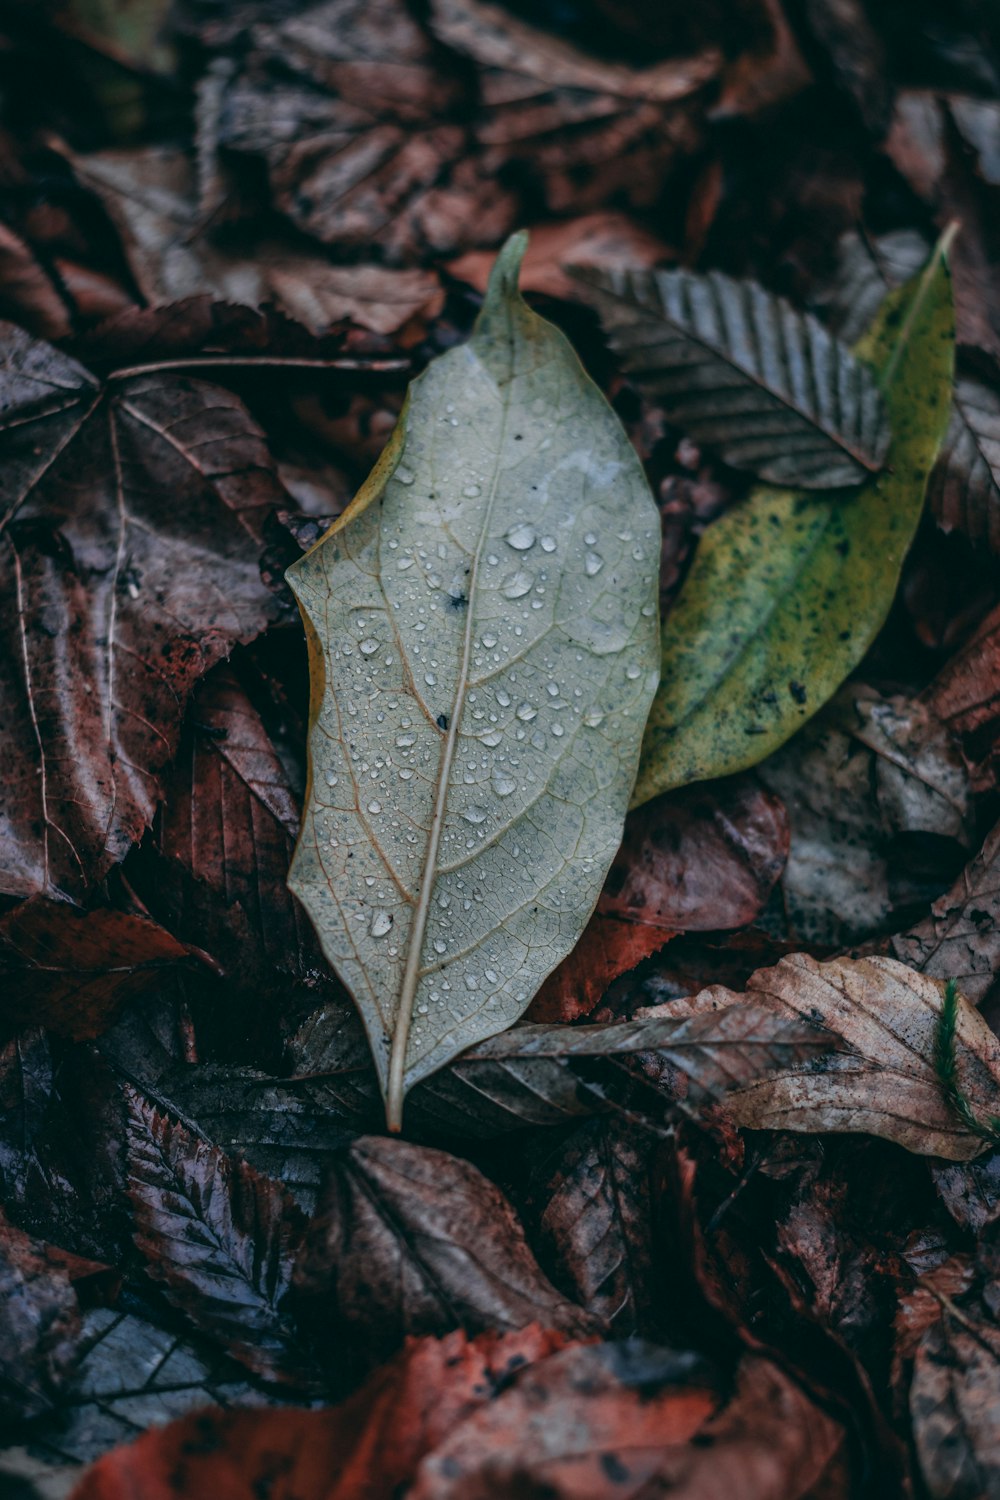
(883,1080)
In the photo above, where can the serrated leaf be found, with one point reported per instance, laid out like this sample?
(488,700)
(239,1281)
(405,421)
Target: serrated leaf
(788,590)
(742,370)
(221,1237)
(964,491)
(481,624)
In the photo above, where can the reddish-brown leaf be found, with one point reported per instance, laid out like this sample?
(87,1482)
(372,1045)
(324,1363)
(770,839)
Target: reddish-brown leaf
(610,241)
(414,1241)
(221,1237)
(129,555)
(700,859)
(71,971)
(368,1446)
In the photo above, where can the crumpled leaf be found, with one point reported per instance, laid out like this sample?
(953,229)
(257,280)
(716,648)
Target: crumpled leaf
(867,774)
(481,626)
(409,1240)
(964,489)
(586,129)
(787,590)
(131,519)
(358,132)
(882,1078)
(149,192)
(71,971)
(39,1325)
(960,936)
(739,369)
(220,1237)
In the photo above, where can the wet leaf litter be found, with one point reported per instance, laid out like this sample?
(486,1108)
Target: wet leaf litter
(711,1199)
(482,625)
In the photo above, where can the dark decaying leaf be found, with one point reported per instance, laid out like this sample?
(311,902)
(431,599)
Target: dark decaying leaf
(357,132)
(582,127)
(740,369)
(71,970)
(25,1089)
(220,1237)
(230,823)
(131,1374)
(39,1325)
(593,1212)
(960,937)
(555,1075)
(413,1241)
(948,1366)
(865,783)
(131,521)
(869,267)
(964,489)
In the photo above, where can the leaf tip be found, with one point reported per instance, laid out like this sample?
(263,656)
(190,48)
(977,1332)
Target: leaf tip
(503,283)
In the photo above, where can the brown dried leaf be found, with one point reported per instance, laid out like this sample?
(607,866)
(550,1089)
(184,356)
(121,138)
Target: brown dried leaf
(414,1241)
(587,129)
(960,937)
(220,1237)
(883,1080)
(131,520)
(609,241)
(71,971)
(357,134)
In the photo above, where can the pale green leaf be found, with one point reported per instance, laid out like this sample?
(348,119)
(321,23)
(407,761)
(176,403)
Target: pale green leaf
(788,590)
(483,640)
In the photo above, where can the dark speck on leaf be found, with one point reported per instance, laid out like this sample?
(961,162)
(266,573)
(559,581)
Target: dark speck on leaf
(442,721)
(798,692)
(614,1468)
(458,601)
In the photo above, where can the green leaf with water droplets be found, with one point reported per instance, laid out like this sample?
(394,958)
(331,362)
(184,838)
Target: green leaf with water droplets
(789,589)
(484,650)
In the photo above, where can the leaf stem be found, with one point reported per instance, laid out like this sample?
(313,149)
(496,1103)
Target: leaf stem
(262,361)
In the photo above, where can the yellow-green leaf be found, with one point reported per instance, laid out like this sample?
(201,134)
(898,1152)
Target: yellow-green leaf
(789,589)
(483,641)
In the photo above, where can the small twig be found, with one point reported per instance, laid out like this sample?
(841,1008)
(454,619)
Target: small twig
(946,1067)
(260,361)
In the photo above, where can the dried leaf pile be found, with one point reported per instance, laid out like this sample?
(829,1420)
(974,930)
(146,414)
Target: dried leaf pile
(680,941)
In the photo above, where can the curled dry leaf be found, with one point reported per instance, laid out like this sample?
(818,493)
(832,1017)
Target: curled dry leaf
(413,1241)
(149,193)
(788,591)
(739,369)
(610,241)
(71,971)
(220,1237)
(960,937)
(868,771)
(882,1080)
(358,133)
(482,635)
(131,518)
(964,490)
(585,128)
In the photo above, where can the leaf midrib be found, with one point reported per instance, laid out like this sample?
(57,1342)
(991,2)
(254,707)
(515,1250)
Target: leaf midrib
(412,973)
